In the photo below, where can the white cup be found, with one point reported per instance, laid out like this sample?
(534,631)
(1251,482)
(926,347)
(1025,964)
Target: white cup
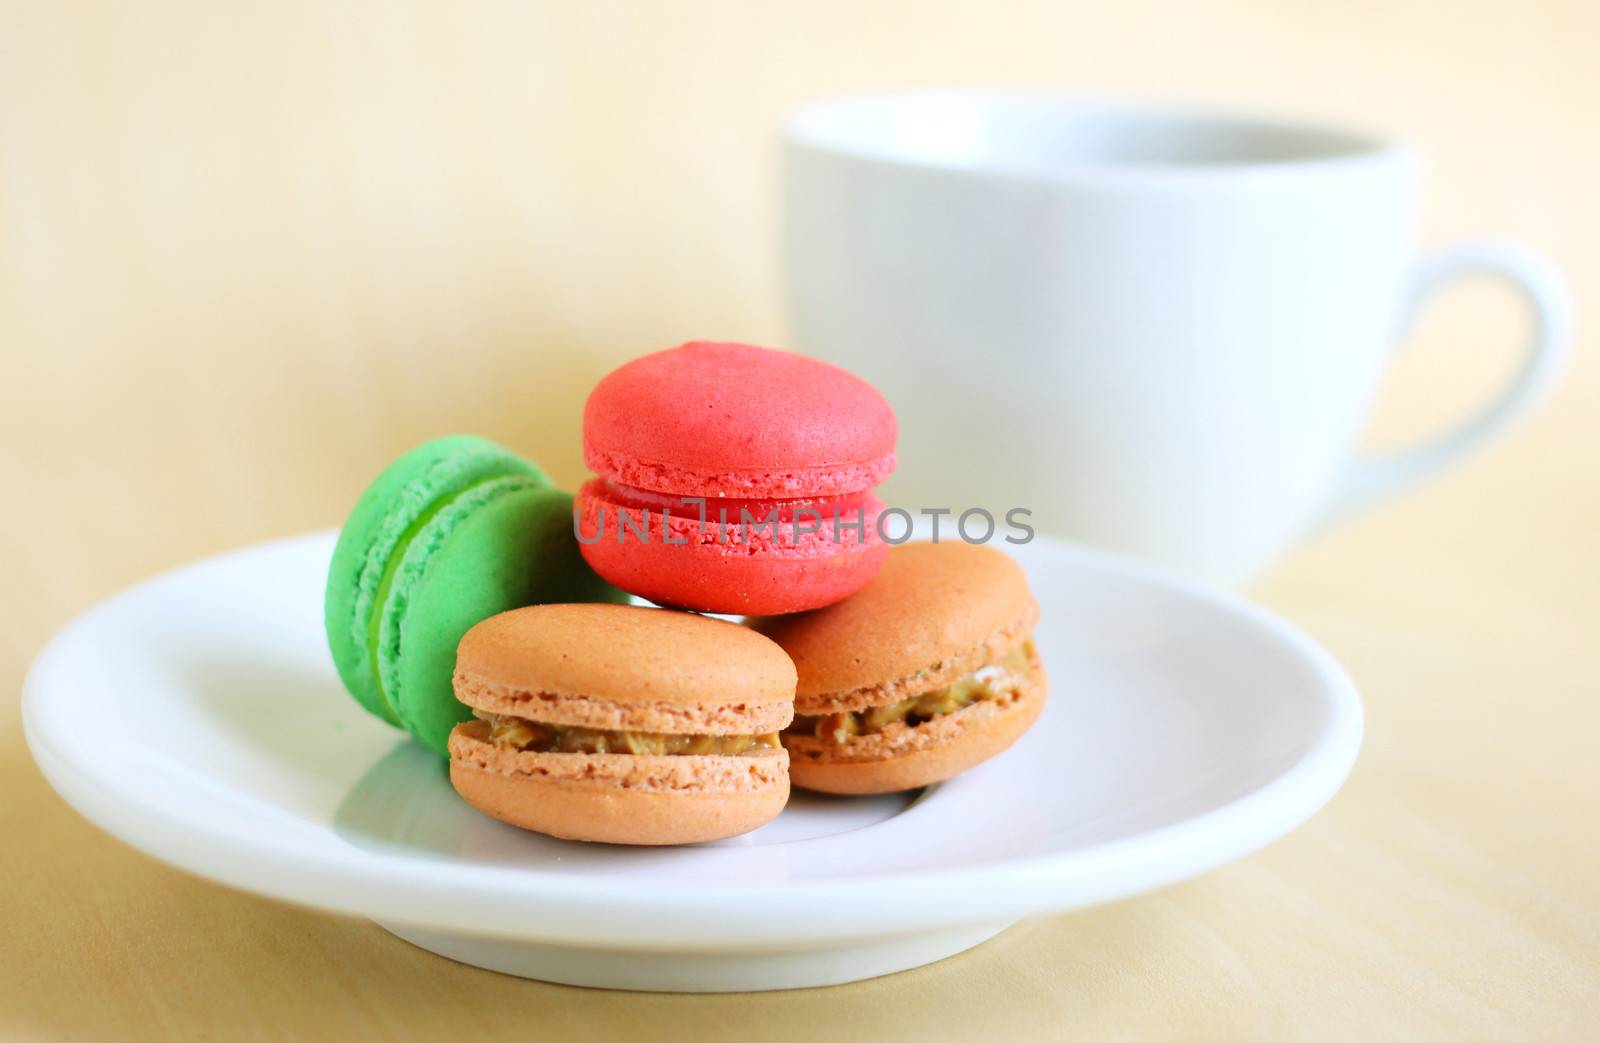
(1160,331)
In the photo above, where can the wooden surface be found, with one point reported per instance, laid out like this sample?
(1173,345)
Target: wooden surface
(248,252)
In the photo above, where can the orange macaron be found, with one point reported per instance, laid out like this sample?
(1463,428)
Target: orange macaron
(929,670)
(622,724)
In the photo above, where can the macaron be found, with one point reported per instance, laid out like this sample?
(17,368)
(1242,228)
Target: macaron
(928,671)
(454,531)
(733,478)
(622,724)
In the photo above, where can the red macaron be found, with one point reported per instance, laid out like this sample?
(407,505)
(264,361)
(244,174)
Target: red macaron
(783,450)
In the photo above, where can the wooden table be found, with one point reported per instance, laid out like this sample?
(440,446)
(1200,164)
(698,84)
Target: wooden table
(245,258)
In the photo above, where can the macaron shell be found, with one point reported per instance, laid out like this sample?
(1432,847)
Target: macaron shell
(946,747)
(758,577)
(619,799)
(382,519)
(929,605)
(627,654)
(737,420)
(501,545)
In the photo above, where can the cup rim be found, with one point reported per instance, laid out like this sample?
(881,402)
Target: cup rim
(814,127)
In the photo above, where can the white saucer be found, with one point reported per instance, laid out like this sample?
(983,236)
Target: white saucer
(198,718)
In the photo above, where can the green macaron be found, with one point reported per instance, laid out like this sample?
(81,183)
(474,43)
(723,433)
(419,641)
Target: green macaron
(451,533)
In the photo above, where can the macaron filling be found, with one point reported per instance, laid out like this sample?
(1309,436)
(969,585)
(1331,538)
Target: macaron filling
(761,483)
(727,509)
(521,733)
(615,513)
(391,569)
(990,682)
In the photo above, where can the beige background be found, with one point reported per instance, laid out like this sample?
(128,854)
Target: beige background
(250,251)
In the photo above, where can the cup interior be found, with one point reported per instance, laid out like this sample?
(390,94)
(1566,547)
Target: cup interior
(1042,134)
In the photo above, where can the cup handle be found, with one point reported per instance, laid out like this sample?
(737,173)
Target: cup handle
(1372,477)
